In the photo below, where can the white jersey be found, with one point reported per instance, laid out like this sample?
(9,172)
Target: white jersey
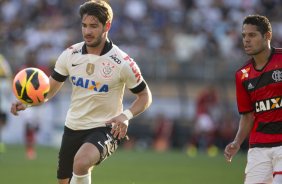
(97,84)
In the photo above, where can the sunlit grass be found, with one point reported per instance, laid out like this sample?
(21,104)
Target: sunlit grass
(126,167)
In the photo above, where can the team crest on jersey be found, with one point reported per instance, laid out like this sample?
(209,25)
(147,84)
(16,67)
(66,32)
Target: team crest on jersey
(90,68)
(107,70)
(277,75)
(245,73)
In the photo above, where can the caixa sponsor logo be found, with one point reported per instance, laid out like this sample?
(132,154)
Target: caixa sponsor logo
(89,84)
(269,104)
(277,75)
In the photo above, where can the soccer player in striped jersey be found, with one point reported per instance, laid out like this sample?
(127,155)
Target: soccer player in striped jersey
(259,100)
(98,71)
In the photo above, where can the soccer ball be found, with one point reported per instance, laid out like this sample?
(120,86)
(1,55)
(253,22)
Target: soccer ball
(31,86)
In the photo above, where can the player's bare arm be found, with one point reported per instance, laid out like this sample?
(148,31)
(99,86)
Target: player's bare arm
(245,126)
(141,103)
(55,86)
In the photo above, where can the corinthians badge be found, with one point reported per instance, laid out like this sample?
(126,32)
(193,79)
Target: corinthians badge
(107,70)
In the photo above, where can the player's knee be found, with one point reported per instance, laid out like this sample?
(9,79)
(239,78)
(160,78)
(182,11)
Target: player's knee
(63,181)
(81,165)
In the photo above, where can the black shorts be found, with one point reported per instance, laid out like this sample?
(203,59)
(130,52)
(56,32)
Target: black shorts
(73,139)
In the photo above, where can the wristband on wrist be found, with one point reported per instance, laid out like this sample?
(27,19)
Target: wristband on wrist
(128,114)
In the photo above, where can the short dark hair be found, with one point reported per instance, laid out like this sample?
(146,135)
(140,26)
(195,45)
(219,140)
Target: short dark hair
(262,23)
(98,8)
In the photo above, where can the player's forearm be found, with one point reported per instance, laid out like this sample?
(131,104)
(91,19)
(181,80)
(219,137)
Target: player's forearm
(245,126)
(142,102)
(55,86)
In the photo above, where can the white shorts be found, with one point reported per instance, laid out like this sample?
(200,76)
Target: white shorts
(262,164)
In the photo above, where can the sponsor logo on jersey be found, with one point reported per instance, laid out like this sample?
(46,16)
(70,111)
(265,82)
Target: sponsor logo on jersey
(269,104)
(133,67)
(89,84)
(74,65)
(107,70)
(245,73)
(115,58)
(250,86)
(75,51)
(90,68)
(277,75)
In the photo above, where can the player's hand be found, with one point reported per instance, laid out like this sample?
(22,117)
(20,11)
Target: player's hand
(17,106)
(119,126)
(230,150)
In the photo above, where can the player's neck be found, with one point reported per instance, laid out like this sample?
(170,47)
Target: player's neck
(262,58)
(96,50)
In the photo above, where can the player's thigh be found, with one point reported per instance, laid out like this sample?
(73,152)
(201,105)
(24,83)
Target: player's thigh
(277,165)
(71,142)
(259,167)
(87,155)
(104,141)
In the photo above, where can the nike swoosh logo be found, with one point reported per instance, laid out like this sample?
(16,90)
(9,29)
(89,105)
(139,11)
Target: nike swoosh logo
(75,64)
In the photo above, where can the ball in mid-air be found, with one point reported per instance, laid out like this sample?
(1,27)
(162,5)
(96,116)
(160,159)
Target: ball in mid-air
(31,86)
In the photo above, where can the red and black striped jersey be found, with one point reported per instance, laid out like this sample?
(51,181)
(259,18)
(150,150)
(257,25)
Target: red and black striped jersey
(260,91)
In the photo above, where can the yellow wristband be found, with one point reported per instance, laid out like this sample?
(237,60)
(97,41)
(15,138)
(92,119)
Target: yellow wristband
(128,114)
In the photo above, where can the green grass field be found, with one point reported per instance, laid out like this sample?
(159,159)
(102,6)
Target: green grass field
(126,167)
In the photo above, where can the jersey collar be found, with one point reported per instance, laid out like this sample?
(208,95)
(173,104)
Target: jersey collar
(108,46)
(269,58)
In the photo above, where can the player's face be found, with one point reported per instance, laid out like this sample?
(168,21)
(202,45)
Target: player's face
(93,31)
(254,42)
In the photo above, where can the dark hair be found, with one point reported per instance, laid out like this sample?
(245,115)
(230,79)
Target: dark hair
(98,8)
(262,23)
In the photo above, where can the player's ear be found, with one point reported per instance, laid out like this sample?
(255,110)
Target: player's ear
(108,26)
(268,35)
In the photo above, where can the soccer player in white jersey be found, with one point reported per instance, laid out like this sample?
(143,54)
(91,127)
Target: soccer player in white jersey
(99,71)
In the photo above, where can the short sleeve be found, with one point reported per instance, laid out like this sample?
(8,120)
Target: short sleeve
(244,102)
(61,64)
(131,74)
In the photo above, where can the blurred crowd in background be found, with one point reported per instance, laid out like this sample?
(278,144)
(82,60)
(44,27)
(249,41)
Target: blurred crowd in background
(188,51)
